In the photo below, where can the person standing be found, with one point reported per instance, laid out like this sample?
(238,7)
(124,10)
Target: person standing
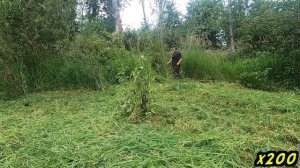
(176,61)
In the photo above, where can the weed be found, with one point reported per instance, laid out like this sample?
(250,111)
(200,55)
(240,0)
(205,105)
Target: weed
(136,104)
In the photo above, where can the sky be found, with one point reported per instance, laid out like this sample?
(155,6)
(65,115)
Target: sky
(132,14)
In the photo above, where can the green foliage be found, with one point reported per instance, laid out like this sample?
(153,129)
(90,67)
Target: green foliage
(77,66)
(131,40)
(89,59)
(201,66)
(159,62)
(256,80)
(47,45)
(204,19)
(171,23)
(30,33)
(120,69)
(74,75)
(268,71)
(100,11)
(291,70)
(272,31)
(211,66)
(90,50)
(264,70)
(13,82)
(94,27)
(136,104)
(146,42)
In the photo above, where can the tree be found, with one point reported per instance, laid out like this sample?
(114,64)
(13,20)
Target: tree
(232,46)
(106,12)
(271,26)
(171,24)
(99,13)
(117,15)
(32,31)
(93,9)
(145,24)
(204,19)
(238,10)
(160,4)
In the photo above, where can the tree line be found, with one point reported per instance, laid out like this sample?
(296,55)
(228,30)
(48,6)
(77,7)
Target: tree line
(39,39)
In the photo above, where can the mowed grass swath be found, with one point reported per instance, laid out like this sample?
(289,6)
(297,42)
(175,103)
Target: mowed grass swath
(193,125)
(54,55)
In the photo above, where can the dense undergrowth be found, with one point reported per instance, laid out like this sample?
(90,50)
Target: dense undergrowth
(189,124)
(53,46)
(259,70)
(81,67)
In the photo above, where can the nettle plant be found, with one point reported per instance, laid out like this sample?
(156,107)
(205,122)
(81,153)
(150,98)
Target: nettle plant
(136,104)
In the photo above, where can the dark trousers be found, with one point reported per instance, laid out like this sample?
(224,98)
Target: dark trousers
(176,70)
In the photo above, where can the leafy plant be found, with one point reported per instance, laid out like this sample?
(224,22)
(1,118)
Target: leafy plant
(136,104)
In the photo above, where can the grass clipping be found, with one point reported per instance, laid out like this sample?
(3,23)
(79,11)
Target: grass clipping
(136,104)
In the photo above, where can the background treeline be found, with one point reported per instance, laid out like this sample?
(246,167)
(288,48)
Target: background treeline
(63,44)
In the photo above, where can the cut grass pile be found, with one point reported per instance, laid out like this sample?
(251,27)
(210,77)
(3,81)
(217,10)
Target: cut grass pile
(191,124)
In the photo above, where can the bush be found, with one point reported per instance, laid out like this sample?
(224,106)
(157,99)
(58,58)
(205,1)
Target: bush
(275,31)
(261,71)
(288,73)
(78,64)
(119,69)
(256,80)
(159,62)
(136,104)
(75,66)
(13,82)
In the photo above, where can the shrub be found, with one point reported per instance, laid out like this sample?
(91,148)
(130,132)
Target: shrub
(260,72)
(288,71)
(13,82)
(119,69)
(136,104)
(256,80)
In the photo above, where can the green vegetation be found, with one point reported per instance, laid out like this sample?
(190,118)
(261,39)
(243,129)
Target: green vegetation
(193,125)
(137,100)
(213,66)
(71,44)
(264,71)
(76,90)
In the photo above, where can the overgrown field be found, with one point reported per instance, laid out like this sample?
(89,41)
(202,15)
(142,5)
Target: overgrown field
(191,124)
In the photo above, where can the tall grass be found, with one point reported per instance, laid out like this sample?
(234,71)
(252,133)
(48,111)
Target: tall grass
(207,66)
(56,73)
(261,70)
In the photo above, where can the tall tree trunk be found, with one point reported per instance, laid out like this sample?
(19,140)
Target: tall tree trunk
(81,5)
(117,15)
(144,13)
(232,45)
(247,8)
(161,7)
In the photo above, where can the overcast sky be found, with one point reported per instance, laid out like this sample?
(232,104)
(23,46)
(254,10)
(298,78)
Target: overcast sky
(132,15)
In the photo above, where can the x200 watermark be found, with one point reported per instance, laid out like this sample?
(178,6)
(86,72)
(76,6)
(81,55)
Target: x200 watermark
(277,159)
